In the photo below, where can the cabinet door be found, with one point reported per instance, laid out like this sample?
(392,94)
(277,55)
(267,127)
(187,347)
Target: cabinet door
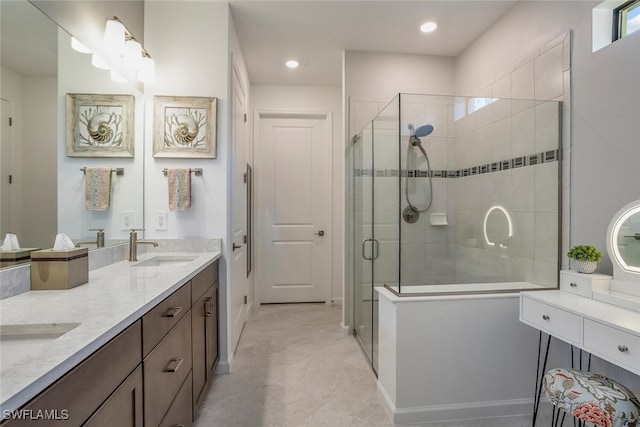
(179,413)
(198,343)
(124,406)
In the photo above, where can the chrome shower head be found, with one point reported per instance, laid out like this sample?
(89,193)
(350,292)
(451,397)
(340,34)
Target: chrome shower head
(416,134)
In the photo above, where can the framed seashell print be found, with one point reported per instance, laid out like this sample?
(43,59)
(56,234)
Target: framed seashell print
(184,127)
(100,125)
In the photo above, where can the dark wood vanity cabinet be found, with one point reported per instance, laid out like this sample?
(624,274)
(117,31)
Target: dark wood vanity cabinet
(154,373)
(204,330)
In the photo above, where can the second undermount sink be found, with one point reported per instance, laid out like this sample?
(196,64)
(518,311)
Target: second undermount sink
(20,341)
(169,260)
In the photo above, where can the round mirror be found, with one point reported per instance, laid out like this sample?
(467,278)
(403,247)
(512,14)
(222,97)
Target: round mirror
(623,242)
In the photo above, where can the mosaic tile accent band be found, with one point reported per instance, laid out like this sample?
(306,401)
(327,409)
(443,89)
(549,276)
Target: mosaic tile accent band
(514,163)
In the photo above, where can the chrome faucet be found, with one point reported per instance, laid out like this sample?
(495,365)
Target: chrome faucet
(134,242)
(99,242)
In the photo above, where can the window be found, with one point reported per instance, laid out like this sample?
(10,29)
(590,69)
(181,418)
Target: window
(626,19)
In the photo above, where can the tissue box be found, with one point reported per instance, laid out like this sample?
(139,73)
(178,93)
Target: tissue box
(59,269)
(9,258)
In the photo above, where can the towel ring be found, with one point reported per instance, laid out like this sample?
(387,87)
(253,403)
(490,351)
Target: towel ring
(118,171)
(196,171)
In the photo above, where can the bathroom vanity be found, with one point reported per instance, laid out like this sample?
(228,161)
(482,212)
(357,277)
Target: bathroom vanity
(138,342)
(593,312)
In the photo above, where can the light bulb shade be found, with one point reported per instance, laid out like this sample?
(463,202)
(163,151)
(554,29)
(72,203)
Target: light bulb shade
(78,47)
(116,77)
(147,70)
(132,54)
(98,62)
(114,37)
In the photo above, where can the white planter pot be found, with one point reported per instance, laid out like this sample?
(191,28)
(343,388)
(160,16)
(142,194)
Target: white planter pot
(582,266)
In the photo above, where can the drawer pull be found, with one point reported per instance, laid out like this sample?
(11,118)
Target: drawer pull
(623,348)
(545,317)
(173,311)
(174,364)
(573,285)
(208,307)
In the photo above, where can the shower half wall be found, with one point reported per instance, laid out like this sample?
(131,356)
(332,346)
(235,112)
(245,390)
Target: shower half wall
(493,219)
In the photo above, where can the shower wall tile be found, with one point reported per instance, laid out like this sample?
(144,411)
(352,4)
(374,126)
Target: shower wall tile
(502,87)
(522,82)
(523,133)
(522,269)
(438,150)
(414,113)
(483,150)
(546,187)
(523,235)
(548,73)
(545,274)
(546,241)
(501,137)
(501,183)
(547,126)
(522,194)
(502,109)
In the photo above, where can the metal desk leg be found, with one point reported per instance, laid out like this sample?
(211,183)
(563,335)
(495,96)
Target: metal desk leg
(540,376)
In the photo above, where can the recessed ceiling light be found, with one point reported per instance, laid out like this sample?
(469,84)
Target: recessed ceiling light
(428,27)
(292,63)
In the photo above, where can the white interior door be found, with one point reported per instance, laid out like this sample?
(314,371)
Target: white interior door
(293,186)
(5,171)
(239,291)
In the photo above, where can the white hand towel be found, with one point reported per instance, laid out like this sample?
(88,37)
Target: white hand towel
(98,189)
(179,189)
(10,243)
(63,243)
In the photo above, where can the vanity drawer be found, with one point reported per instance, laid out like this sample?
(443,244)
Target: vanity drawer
(620,347)
(582,284)
(203,280)
(559,323)
(180,413)
(157,322)
(165,370)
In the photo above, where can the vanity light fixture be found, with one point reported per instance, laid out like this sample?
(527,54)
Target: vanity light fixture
(428,27)
(292,63)
(78,47)
(119,41)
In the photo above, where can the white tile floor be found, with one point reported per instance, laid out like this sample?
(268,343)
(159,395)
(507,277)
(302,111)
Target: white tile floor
(294,367)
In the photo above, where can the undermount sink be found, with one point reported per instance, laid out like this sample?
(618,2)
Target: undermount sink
(20,341)
(159,261)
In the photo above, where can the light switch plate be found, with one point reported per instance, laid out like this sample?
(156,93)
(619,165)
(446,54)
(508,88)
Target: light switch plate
(161,220)
(127,220)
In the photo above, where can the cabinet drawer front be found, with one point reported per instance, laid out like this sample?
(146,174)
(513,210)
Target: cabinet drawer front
(165,369)
(88,385)
(201,282)
(157,322)
(575,284)
(124,406)
(618,346)
(556,322)
(180,412)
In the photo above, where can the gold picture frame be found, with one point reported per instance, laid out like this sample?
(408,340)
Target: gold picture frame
(184,127)
(100,125)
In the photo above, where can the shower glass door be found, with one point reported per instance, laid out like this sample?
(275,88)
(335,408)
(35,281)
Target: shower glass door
(362,232)
(375,213)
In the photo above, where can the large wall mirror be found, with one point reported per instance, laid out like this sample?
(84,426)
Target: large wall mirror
(43,189)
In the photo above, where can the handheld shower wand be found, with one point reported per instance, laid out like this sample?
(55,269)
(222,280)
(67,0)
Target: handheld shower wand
(411,213)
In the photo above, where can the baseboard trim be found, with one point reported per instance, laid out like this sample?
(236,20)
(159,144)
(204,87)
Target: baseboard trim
(344,328)
(462,411)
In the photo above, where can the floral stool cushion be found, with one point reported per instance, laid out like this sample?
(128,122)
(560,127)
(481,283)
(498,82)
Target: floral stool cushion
(592,398)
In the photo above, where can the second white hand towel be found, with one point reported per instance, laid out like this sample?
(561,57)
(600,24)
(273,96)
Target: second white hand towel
(98,190)
(179,189)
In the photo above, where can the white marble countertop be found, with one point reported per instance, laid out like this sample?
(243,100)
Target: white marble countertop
(114,298)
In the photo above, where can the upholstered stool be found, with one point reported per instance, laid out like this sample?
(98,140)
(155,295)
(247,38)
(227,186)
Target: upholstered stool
(592,398)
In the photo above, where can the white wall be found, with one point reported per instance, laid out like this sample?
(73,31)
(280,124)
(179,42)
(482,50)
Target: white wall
(604,175)
(316,98)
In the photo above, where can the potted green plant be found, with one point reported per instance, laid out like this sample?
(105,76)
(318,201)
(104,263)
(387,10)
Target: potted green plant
(585,258)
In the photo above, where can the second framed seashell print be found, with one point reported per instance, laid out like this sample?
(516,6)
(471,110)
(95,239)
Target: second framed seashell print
(100,125)
(184,127)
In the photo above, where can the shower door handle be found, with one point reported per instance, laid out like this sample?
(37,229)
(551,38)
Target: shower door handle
(374,253)
(364,242)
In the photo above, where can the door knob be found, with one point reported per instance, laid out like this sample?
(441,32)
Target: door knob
(236,247)
(319,233)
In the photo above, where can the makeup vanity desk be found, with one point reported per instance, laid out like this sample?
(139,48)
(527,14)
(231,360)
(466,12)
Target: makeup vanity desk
(577,315)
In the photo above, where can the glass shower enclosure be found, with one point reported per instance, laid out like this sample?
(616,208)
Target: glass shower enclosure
(453,195)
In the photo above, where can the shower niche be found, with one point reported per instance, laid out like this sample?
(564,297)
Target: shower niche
(453,195)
